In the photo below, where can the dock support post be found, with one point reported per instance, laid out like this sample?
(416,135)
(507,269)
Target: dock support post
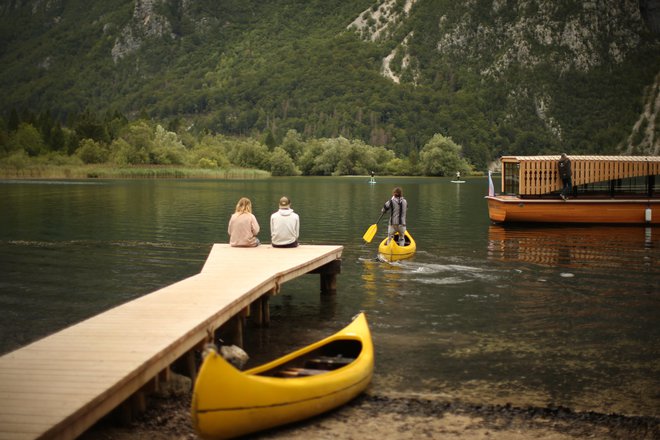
(238,330)
(131,408)
(191,366)
(328,284)
(257,312)
(329,274)
(265,309)
(261,309)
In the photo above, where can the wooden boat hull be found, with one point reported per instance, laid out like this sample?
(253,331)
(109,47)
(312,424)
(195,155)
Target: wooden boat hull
(393,252)
(230,403)
(507,209)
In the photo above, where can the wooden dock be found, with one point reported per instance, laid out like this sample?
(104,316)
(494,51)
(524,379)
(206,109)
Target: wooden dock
(59,386)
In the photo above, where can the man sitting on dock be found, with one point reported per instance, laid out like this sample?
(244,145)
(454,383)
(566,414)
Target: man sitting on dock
(284,226)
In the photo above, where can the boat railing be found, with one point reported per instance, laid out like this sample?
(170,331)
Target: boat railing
(607,175)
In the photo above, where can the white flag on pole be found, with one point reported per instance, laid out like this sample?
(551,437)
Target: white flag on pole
(491,187)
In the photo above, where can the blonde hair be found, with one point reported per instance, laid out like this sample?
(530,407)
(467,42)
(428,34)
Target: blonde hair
(244,205)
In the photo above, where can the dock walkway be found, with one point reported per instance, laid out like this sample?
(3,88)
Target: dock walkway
(59,386)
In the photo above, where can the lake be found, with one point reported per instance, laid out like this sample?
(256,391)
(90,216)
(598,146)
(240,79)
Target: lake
(526,315)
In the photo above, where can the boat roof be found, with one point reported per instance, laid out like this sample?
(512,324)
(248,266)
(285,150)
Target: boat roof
(594,158)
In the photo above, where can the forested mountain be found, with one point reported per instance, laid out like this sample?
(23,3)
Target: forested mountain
(496,76)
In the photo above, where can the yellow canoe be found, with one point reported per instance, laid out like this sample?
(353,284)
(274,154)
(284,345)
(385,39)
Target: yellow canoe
(392,251)
(230,403)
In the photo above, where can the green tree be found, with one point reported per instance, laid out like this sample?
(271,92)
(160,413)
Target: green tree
(293,144)
(441,156)
(57,138)
(14,120)
(307,161)
(114,122)
(123,153)
(137,145)
(333,151)
(281,163)
(269,140)
(167,148)
(399,167)
(531,143)
(27,138)
(210,152)
(91,151)
(89,126)
(413,158)
(4,136)
(248,153)
(18,160)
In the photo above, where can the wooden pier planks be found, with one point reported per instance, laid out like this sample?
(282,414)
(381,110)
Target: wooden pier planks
(59,386)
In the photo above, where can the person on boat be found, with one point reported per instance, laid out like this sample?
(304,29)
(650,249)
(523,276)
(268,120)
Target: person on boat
(373,177)
(564,166)
(284,226)
(398,207)
(458,175)
(243,225)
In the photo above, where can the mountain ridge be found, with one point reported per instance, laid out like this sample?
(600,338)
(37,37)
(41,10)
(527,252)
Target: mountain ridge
(497,76)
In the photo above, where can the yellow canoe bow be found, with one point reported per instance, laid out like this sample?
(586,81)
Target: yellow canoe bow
(230,403)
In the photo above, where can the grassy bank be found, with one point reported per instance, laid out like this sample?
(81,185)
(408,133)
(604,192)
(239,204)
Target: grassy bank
(133,172)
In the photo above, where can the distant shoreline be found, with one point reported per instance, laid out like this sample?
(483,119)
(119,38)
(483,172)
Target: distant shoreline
(103,171)
(129,172)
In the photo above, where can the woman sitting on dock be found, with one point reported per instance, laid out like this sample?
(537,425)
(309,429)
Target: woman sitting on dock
(243,225)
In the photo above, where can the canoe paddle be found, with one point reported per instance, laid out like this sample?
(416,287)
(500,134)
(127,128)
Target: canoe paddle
(371,232)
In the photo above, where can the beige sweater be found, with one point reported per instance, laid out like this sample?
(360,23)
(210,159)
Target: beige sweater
(243,229)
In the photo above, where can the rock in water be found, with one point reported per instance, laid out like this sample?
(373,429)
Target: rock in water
(234,355)
(177,385)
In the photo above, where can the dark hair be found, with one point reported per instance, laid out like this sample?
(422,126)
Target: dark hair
(397,192)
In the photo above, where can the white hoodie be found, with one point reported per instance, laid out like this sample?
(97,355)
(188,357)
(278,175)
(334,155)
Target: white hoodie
(284,227)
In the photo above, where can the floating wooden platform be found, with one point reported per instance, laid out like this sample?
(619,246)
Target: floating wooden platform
(59,386)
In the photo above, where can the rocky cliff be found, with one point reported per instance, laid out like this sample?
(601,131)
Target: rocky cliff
(496,37)
(488,72)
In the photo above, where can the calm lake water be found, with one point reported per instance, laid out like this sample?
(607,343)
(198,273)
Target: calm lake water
(486,314)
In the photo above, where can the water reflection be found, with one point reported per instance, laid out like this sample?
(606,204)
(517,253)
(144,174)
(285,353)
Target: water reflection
(369,277)
(572,246)
(492,314)
(582,298)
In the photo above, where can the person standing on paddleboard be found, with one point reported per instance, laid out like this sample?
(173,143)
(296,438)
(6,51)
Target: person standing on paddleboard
(398,207)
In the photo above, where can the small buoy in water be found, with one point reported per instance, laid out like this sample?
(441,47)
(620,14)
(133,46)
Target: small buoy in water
(567,275)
